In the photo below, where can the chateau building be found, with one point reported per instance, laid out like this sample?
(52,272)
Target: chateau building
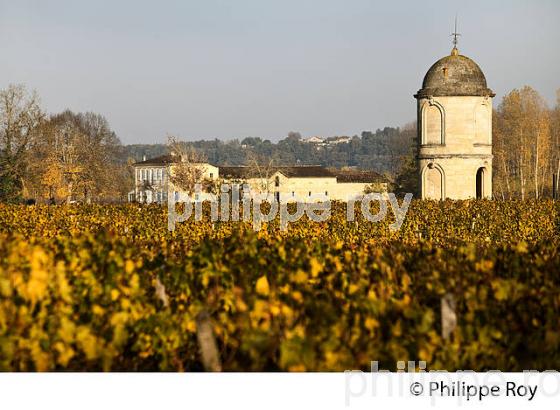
(305,183)
(284,183)
(454,130)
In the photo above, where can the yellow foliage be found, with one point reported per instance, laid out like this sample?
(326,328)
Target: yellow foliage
(262,286)
(108,287)
(114,294)
(316,267)
(87,342)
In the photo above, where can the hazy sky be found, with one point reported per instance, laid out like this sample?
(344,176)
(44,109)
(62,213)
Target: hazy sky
(237,68)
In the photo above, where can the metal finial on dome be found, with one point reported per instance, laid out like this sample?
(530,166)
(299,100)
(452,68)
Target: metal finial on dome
(455,50)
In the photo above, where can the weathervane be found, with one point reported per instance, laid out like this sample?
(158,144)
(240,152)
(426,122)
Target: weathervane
(455,34)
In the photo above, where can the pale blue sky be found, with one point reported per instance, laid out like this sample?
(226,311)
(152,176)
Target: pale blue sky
(236,68)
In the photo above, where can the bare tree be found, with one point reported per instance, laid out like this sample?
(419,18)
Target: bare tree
(555,137)
(189,168)
(261,168)
(20,117)
(522,143)
(100,155)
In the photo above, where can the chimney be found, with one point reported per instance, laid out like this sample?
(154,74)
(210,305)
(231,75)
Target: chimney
(143,157)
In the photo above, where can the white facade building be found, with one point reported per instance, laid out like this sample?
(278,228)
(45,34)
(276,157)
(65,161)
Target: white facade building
(306,183)
(285,184)
(152,183)
(314,140)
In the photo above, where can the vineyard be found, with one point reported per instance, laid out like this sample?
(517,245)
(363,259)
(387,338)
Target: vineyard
(109,288)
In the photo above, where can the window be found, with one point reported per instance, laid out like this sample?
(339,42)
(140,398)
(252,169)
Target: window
(480,183)
(277,181)
(159,174)
(482,125)
(143,175)
(293,193)
(309,193)
(211,175)
(326,193)
(433,123)
(138,175)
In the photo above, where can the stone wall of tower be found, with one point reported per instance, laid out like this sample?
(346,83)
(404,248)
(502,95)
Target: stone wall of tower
(454,143)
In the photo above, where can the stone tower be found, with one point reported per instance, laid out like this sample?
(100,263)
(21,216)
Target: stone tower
(455,130)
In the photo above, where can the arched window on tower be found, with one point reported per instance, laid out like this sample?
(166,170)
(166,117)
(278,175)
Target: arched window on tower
(433,184)
(481,124)
(433,124)
(480,184)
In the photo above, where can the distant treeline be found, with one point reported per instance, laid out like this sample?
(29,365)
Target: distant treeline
(383,151)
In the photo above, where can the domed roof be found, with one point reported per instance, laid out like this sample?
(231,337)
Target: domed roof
(454,75)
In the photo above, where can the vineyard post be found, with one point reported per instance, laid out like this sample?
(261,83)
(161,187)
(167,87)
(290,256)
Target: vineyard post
(448,316)
(207,343)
